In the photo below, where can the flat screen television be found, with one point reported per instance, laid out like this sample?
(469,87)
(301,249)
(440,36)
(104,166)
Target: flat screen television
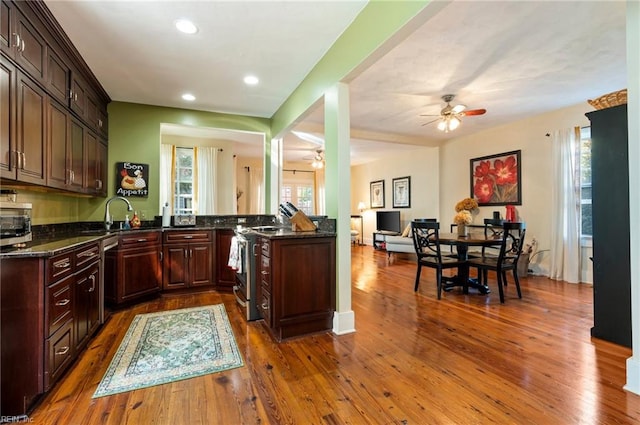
(388,221)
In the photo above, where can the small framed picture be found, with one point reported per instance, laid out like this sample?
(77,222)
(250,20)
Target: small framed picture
(377,194)
(402,192)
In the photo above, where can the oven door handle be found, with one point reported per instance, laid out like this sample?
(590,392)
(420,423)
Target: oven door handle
(235,292)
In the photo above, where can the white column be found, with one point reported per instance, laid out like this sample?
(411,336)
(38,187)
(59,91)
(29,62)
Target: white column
(274,167)
(633,112)
(338,197)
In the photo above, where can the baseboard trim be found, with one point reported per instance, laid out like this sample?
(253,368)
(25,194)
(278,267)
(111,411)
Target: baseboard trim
(344,322)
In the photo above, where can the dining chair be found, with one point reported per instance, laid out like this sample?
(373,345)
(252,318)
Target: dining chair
(512,242)
(426,241)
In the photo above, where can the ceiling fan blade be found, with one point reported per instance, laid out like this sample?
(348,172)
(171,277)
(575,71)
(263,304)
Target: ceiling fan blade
(437,119)
(474,112)
(429,115)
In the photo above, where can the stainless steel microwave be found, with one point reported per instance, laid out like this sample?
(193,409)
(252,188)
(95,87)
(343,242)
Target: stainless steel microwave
(15,223)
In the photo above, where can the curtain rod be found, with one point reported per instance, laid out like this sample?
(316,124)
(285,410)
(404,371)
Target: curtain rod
(298,171)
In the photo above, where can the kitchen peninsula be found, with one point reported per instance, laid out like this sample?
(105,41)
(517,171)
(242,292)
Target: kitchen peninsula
(54,289)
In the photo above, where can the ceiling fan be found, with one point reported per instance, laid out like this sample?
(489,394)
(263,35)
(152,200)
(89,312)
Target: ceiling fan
(317,159)
(451,116)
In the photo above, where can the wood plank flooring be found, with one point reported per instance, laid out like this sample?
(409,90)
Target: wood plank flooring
(465,359)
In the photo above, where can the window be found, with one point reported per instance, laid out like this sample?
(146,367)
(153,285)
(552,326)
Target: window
(297,188)
(585,182)
(184,187)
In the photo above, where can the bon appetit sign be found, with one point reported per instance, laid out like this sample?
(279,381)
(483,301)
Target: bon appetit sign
(132,179)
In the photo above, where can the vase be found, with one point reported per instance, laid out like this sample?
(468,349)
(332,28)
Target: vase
(463,230)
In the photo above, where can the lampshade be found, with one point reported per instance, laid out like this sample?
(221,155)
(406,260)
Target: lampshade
(361,206)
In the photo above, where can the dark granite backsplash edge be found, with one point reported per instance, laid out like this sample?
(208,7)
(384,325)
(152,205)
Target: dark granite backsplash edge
(49,231)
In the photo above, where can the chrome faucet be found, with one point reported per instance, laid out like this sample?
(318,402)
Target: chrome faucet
(108,220)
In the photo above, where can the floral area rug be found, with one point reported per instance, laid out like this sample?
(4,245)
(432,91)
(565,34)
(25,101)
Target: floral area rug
(169,346)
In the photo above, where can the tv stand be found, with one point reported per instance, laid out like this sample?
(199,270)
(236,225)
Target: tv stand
(380,238)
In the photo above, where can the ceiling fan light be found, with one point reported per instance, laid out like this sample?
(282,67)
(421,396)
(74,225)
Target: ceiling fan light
(458,108)
(442,125)
(454,123)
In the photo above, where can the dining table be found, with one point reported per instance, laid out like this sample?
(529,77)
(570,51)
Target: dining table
(462,244)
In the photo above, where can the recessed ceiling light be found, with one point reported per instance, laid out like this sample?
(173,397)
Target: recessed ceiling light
(186,26)
(251,80)
(188,97)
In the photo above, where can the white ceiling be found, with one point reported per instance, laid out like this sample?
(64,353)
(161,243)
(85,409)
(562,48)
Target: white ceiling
(513,58)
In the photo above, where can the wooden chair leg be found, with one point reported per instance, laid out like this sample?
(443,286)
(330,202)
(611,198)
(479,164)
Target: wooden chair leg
(415,289)
(439,282)
(517,281)
(499,276)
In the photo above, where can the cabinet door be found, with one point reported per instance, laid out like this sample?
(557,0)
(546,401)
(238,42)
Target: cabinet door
(31,140)
(8,156)
(76,155)
(58,133)
(32,49)
(200,264)
(86,304)
(101,164)
(6,22)
(93,299)
(90,162)
(139,272)
(58,78)
(80,312)
(175,265)
(78,97)
(226,276)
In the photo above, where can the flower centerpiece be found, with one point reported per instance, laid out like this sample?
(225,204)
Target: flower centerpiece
(463,216)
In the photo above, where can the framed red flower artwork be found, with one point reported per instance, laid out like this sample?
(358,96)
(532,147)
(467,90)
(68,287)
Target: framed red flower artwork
(495,179)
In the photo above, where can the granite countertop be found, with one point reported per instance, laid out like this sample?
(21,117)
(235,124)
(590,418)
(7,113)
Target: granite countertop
(47,247)
(284,233)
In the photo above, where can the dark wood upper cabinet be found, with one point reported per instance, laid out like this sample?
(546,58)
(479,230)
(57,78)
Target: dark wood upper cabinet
(8,157)
(58,78)
(31,146)
(54,111)
(59,174)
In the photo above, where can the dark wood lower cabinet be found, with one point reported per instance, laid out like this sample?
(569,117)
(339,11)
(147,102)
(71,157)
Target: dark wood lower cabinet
(225,275)
(21,334)
(297,291)
(133,269)
(188,259)
(86,312)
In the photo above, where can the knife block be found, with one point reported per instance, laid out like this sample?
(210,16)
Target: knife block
(301,223)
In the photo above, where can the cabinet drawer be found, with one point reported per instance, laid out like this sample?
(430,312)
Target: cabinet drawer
(137,239)
(58,304)
(264,306)
(265,272)
(87,254)
(59,353)
(195,236)
(59,266)
(266,247)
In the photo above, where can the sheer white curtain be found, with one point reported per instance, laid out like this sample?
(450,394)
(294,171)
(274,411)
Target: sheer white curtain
(167,170)
(565,204)
(206,164)
(255,190)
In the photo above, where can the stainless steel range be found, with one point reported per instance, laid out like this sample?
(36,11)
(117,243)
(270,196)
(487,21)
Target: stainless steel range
(246,282)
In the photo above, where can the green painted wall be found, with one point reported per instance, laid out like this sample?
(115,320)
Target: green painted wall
(134,136)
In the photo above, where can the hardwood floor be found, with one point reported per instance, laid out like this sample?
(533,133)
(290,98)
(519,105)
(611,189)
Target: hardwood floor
(465,359)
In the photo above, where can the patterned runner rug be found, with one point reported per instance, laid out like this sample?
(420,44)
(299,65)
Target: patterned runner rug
(169,346)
